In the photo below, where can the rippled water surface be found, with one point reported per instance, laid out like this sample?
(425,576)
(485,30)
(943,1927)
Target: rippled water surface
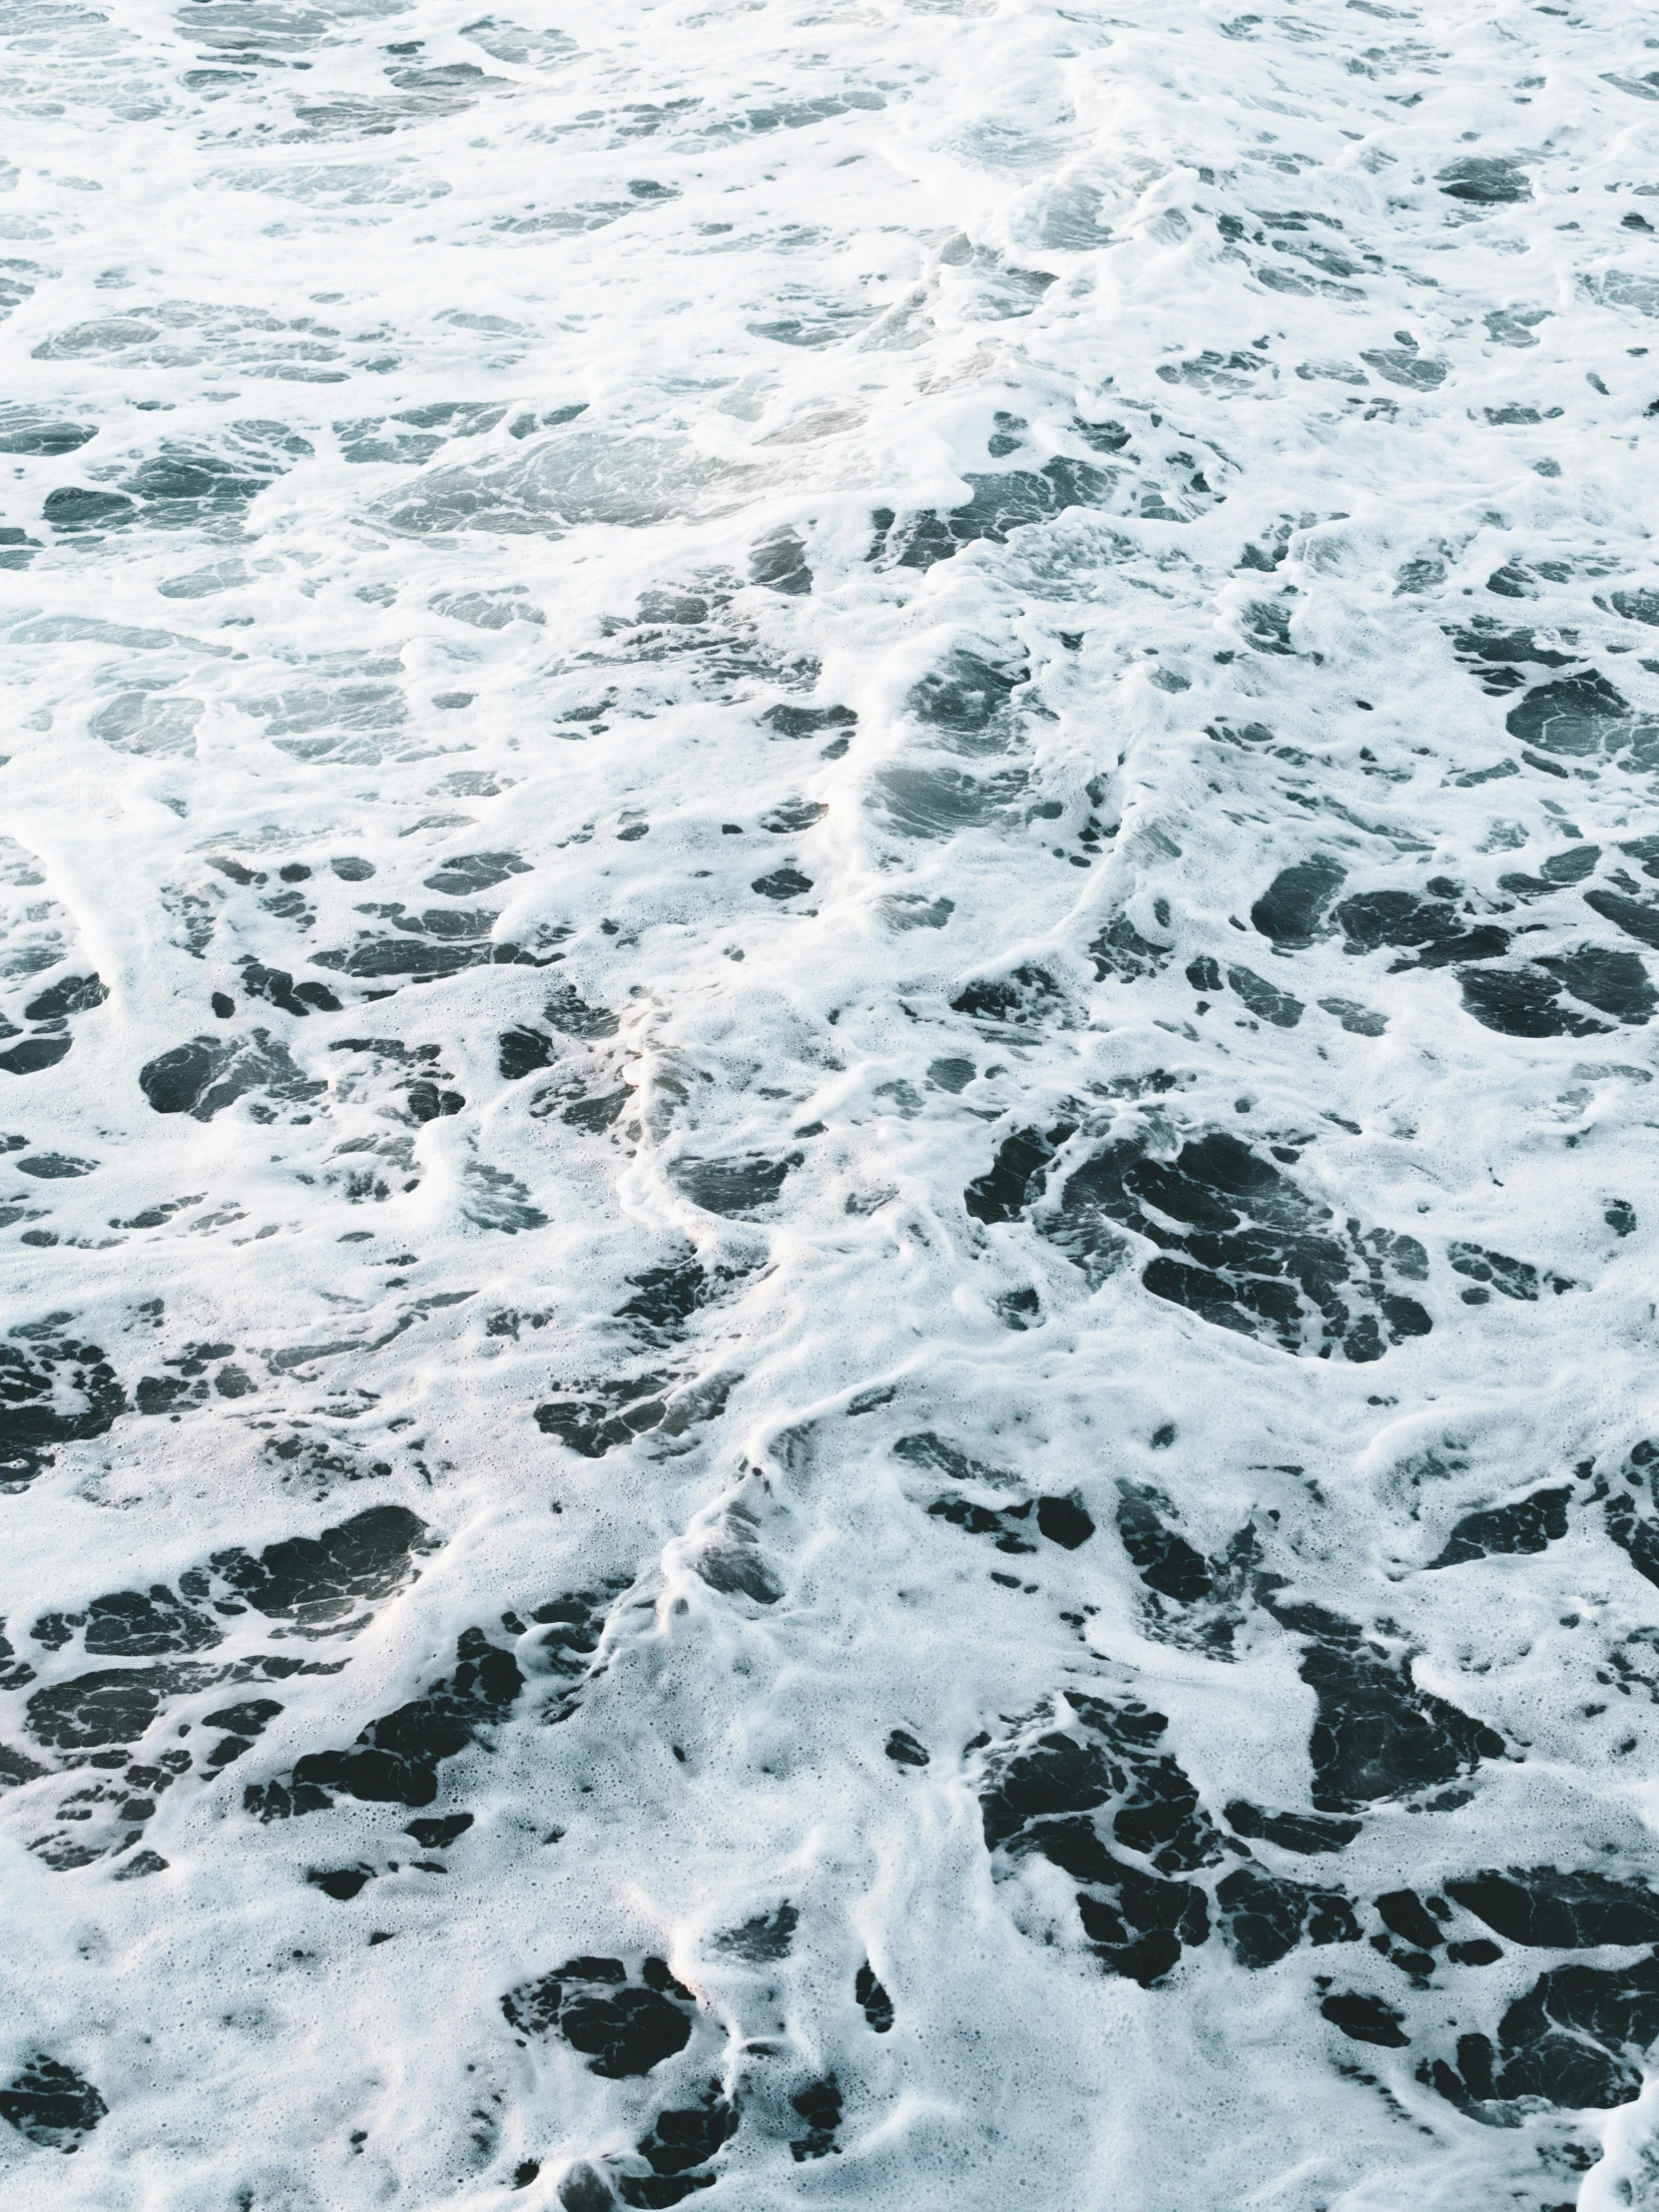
(827,890)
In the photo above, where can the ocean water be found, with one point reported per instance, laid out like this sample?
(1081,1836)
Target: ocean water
(826,1109)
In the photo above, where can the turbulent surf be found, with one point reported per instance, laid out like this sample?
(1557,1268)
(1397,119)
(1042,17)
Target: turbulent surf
(827,1015)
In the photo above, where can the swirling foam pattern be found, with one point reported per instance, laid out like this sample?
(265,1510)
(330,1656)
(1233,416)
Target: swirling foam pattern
(826,1106)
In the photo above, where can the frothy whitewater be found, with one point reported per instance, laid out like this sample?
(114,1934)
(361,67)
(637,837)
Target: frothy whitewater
(826,1109)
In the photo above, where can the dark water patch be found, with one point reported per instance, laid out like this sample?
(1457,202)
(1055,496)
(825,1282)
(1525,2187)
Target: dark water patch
(1244,734)
(1206,1594)
(908,1750)
(1560,1910)
(191,486)
(1568,2042)
(1513,580)
(998,505)
(1638,919)
(52,1392)
(666,1299)
(1528,1001)
(1366,2020)
(210,1074)
(1515,1278)
(1240,1245)
(1052,1796)
(779,563)
(1141,1924)
(623,2026)
(1404,1914)
(1478,1951)
(1065,1522)
(1015,1174)
(159,1395)
(1497,655)
(245,1721)
(1400,365)
(570,1014)
(939,801)
(1163,1558)
(277,987)
(793,817)
(132,1624)
(1530,1524)
(1582,718)
(341,1883)
(396,1758)
(951,1074)
(461,945)
(782,883)
(1306,1834)
(110,1706)
(1122,952)
(1484,179)
(1263,1000)
(732,1563)
(763,1939)
(318,1582)
(584,2190)
(16,1767)
(578,1107)
(49,2103)
(70,994)
(1265,626)
(34,1054)
(1559,870)
(613,1415)
(786,721)
(1615,983)
(522,1052)
(1377,1735)
(677,2150)
(872,2000)
(1263,1917)
(1211,371)
(820,2105)
(55,1167)
(141,1864)
(424,1102)
(735,1188)
(441,1832)
(1433,929)
(1514,325)
(461,922)
(939,1456)
(467,873)
(79,507)
(966,699)
(1635,1532)
(1292,907)
(40,435)
(1008,1528)
(1022,999)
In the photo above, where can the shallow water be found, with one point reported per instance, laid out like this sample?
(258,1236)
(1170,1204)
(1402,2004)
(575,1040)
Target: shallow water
(827,894)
